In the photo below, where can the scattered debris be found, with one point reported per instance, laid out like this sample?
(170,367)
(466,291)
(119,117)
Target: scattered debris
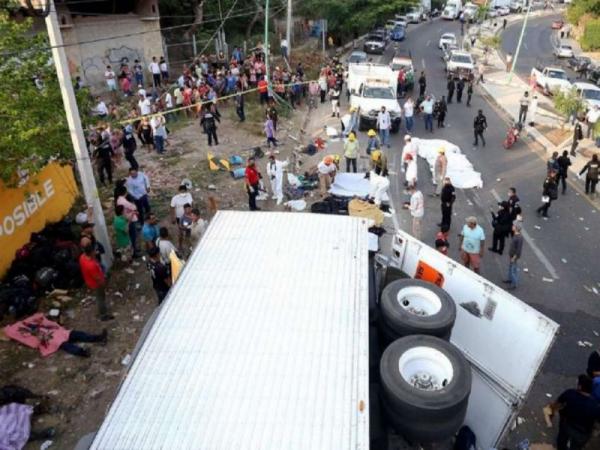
(118,294)
(595,291)
(137,318)
(54,312)
(586,229)
(548,280)
(595,333)
(588,344)
(130,271)
(525,269)
(498,179)
(537,227)
(520,421)
(563,260)
(212,187)
(46,445)
(137,285)
(126,360)
(30,365)
(57,292)
(581,218)
(548,395)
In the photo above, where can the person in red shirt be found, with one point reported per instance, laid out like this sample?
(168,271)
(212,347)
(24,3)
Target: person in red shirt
(263,90)
(252,183)
(94,278)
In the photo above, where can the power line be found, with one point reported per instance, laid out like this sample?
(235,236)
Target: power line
(137,33)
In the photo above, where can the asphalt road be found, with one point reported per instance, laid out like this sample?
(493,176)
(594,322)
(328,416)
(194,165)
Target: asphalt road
(537,45)
(562,249)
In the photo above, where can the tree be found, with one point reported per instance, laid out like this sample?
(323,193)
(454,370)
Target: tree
(568,103)
(31,107)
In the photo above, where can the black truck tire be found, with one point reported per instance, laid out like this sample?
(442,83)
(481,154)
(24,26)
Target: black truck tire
(417,307)
(425,380)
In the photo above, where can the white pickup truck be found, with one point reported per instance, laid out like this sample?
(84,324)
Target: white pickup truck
(371,87)
(266,341)
(551,79)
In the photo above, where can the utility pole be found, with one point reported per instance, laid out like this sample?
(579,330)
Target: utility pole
(288,30)
(516,56)
(84,164)
(267,74)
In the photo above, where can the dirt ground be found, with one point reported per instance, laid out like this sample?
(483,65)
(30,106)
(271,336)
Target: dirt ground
(81,389)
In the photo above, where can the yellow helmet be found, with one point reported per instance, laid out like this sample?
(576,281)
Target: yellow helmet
(376,155)
(336,159)
(371,133)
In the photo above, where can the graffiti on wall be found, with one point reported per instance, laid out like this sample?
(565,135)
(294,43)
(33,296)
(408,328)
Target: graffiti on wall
(93,67)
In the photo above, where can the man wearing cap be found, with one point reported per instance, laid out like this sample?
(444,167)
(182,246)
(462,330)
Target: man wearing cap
(326,170)
(275,174)
(351,152)
(379,162)
(372,142)
(514,254)
(440,167)
(472,241)
(252,179)
(384,122)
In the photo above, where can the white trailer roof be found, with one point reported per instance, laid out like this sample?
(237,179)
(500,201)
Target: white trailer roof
(261,344)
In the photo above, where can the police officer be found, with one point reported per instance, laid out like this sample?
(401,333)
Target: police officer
(208,122)
(450,86)
(479,126)
(460,87)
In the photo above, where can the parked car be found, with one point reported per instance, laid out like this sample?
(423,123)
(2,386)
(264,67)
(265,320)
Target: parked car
(357,56)
(589,93)
(374,43)
(577,63)
(551,79)
(415,15)
(447,38)
(390,24)
(383,32)
(516,6)
(563,51)
(593,74)
(557,24)
(502,10)
(401,20)
(447,49)
(398,34)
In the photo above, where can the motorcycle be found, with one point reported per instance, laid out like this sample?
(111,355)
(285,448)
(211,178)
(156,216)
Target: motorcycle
(512,135)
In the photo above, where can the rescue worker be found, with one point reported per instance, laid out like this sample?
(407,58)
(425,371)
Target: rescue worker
(334,97)
(380,184)
(439,110)
(591,178)
(326,170)
(275,173)
(549,193)
(379,162)
(373,141)
(351,152)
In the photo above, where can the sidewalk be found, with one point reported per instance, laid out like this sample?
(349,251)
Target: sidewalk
(505,91)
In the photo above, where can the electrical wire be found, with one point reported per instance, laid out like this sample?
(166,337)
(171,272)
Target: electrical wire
(137,33)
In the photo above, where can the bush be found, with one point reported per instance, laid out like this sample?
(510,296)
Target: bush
(591,35)
(579,8)
(568,103)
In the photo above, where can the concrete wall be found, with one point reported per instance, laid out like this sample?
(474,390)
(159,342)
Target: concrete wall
(89,59)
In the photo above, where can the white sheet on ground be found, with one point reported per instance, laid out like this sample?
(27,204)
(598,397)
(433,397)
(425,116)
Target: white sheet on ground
(352,185)
(460,170)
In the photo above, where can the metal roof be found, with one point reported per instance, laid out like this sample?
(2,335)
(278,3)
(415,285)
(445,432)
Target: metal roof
(261,344)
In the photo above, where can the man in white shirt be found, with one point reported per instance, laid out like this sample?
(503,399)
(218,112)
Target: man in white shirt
(409,111)
(164,69)
(384,123)
(410,148)
(417,210)
(168,98)
(427,108)
(591,118)
(284,48)
(159,131)
(111,81)
(101,109)
(144,106)
(178,201)
(154,69)
(326,170)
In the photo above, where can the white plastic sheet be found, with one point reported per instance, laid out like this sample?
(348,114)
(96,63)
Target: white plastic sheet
(460,170)
(352,185)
